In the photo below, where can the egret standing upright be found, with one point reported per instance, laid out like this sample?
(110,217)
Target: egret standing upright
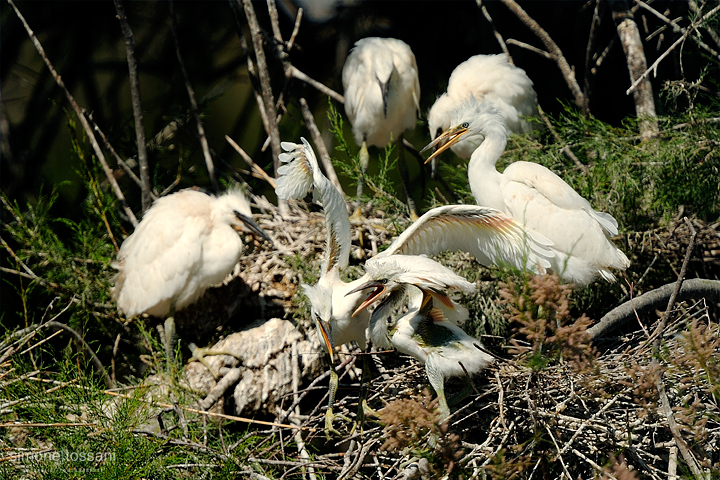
(382,94)
(534,196)
(185,243)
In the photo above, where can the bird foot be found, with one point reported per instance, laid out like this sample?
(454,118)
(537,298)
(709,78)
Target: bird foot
(363,412)
(329,418)
(357,216)
(199,354)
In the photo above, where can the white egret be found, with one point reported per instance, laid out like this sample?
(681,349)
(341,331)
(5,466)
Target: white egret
(382,93)
(486,77)
(331,307)
(534,197)
(424,332)
(185,243)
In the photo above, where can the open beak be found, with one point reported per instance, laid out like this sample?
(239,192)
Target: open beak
(251,225)
(445,140)
(372,298)
(326,339)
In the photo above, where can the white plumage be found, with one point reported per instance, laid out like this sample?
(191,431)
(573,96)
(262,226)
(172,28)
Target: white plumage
(185,243)
(424,332)
(486,77)
(382,90)
(534,197)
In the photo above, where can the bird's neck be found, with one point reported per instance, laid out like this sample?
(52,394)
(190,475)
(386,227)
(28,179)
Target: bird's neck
(483,176)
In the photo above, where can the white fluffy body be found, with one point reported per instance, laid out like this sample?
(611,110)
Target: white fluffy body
(539,200)
(486,77)
(371,64)
(185,243)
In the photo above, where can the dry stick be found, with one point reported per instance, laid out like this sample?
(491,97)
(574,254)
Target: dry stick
(271,126)
(678,29)
(527,46)
(302,451)
(296,30)
(257,171)
(554,50)
(319,144)
(590,44)
(565,150)
(208,414)
(81,116)
(665,407)
(692,288)
(193,103)
(136,105)
(264,77)
(653,67)
(95,360)
(632,46)
(697,11)
(498,37)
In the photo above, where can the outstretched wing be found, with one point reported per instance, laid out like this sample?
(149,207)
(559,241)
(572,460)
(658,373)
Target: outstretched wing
(302,174)
(489,235)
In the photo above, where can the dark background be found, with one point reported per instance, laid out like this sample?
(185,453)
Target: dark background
(84,42)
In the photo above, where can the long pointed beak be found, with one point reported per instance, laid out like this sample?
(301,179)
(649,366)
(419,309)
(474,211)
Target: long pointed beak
(252,226)
(384,88)
(372,298)
(445,140)
(326,339)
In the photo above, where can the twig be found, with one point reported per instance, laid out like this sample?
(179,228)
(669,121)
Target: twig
(653,67)
(554,50)
(565,147)
(193,103)
(678,285)
(81,116)
(136,105)
(295,73)
(296,30)
(95,360)
(498,37)
(692,288)
(257,171)
(527,46)
(319,144)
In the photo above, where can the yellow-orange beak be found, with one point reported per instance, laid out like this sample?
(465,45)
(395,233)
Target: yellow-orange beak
(372,298)
(445,140)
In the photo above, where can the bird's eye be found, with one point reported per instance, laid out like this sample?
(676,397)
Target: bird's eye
(438,132)
(465,125)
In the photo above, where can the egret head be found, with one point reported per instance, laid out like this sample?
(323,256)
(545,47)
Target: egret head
(320,296)
(233,208)
(439,115)
(471,123)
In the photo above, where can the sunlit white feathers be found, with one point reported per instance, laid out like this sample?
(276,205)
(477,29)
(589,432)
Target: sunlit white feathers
(382,89)
(535,197)
(185,243)
(486,77)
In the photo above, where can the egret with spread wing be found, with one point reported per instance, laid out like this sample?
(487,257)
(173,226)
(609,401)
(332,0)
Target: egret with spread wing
(185,243)
(534,197)
(425,332)
(382,94)
(331,305)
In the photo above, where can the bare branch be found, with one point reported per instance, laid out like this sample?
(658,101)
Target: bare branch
(146,195)
(635,54)
(257,171)
(193,103)
(527,46)
(498,37)
(554,50)
(81,117)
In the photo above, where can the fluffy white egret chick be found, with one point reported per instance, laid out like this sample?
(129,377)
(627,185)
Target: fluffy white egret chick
(185,243)
(486,77)
(424,332)
(382,92)
(535,197)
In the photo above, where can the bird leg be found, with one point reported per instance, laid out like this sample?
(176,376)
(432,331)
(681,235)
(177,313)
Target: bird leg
(364,409)
(167,335)
(199,354)
(405,176)
(437,381)
(329,415)
(364,162)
